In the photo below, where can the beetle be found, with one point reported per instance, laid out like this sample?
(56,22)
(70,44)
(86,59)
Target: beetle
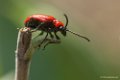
(49,24)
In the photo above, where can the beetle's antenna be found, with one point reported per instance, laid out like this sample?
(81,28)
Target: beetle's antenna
(66,20)
(78,35)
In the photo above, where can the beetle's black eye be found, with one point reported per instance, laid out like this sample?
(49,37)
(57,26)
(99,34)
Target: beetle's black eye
(62,28)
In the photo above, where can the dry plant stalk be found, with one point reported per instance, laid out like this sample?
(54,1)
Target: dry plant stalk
(25,48)
(22,62)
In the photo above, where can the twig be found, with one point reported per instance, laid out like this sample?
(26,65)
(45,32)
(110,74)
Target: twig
(25,48)
(22,62)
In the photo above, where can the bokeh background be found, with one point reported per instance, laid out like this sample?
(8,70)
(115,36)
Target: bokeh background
(74,58)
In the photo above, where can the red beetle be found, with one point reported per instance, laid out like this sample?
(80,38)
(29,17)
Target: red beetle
(48,24)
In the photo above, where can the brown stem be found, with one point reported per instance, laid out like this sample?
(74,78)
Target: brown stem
(22,61)
(22,69)
(25,49)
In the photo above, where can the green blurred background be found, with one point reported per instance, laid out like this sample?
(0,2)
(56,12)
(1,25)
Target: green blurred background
(74,58)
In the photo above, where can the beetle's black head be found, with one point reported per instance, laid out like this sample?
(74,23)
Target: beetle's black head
(62,29)
(32,23)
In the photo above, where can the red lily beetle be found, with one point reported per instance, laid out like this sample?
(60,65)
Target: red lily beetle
(49,24)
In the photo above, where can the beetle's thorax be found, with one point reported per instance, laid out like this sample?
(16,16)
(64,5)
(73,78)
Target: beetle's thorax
(57,23)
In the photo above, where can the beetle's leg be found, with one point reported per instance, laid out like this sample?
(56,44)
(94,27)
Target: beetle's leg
(38,27)
(41,33)
(51,42)
(44,39)
(57,37)
(41,24)
(51,35)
